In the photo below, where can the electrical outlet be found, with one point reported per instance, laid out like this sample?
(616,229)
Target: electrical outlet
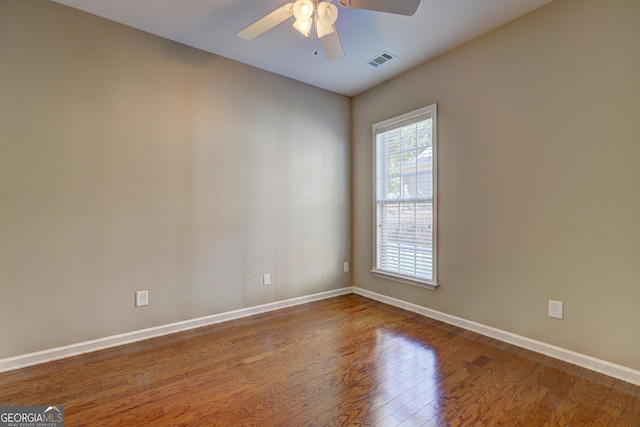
(266,279)
(142,298)
(346,267)
(555,309)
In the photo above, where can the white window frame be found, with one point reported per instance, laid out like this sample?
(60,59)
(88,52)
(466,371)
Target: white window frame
(384,126)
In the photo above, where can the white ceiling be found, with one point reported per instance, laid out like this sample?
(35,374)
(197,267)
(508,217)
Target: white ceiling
(211,25)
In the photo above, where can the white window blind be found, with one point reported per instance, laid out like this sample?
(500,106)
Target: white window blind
(405,149)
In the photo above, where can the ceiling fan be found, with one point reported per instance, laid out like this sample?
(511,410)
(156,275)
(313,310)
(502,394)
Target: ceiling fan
(322,14)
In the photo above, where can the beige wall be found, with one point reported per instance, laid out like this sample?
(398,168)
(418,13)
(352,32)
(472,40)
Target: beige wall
(129,162)
(539,135)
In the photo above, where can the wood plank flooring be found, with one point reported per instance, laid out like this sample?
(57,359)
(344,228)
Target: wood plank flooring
(344,361)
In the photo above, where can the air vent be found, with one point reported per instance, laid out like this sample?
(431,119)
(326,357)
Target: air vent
(381,59)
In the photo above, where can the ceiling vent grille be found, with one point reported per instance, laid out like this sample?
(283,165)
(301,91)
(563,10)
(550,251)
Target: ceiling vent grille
(381,59)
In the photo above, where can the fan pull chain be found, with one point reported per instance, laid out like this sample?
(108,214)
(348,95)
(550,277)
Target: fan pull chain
(314,28)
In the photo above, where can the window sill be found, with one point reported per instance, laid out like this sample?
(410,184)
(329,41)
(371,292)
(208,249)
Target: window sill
(405,279)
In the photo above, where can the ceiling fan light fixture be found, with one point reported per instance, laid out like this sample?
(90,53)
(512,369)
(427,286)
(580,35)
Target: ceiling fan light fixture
(323,14)
(327,13)
(324,30)
(303,27)
(303,10)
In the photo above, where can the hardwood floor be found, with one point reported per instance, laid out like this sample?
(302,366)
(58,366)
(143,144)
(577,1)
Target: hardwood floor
(344,361)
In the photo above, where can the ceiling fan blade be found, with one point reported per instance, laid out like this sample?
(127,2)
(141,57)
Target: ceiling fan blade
(332,46)
(267,22)
(399,7)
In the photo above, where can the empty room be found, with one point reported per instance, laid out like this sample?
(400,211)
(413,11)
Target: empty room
(350,213)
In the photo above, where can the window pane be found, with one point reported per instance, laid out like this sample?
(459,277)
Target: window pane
(405,238)
(424,186)
(393,164)
(393,190)
(405,196)
(409,136)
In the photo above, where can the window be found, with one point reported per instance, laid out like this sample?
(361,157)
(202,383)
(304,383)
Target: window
(405,198)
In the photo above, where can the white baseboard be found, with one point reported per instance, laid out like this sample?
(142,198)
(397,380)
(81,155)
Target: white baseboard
(50,355)
(602,366)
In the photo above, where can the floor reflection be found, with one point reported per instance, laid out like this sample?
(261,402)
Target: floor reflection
(408,390)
